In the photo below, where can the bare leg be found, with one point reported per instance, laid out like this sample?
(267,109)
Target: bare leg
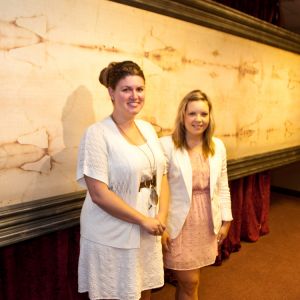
(146,295)
(188,284)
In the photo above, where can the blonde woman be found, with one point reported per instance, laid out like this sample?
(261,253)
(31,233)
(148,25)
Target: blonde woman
(200,207)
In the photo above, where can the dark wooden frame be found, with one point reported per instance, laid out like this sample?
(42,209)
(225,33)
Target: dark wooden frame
(27,220)
(222,18)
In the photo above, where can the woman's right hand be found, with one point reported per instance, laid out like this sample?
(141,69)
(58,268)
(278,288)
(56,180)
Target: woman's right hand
(153,226)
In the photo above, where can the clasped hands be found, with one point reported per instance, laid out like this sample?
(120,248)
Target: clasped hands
(154,226)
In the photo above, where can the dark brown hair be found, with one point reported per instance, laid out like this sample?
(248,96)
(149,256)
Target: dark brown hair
(179,133)
(115,71)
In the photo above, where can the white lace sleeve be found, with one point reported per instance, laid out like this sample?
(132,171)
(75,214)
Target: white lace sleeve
(92,156)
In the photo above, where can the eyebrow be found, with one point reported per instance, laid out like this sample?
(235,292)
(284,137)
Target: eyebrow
(129,86)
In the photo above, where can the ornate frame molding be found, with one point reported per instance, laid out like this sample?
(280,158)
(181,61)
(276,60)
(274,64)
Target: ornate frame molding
(222,18)
(238,168)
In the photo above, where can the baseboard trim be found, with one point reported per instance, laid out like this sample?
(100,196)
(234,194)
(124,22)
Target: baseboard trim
(28,220)
(31,219)
(241,167)
(285,191)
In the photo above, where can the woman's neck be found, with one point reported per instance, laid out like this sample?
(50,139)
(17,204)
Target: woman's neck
(129,130)
(122,121)
(194,142)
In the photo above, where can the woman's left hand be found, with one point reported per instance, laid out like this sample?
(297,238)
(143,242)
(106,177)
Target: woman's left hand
(165,241)
(223,232)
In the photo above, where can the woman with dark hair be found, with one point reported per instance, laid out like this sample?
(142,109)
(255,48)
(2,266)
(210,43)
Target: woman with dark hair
(121,164)
(200,207)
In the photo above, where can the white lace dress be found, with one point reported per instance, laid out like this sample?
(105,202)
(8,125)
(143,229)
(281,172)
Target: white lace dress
(114,273)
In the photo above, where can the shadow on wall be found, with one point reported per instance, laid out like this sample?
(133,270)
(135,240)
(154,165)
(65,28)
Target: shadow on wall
(77,115)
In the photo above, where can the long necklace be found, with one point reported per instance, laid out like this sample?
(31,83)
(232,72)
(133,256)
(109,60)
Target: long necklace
(153,192)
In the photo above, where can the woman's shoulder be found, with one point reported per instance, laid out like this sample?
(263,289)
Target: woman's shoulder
(144,124)
(217,140)
(146,128)
(219,144)
(103,123)
(98,127)
(167,143)
(166,139)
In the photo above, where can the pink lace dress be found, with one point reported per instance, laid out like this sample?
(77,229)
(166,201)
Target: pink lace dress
(196,245)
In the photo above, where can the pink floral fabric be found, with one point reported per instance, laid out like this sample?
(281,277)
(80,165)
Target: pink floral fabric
(196,245)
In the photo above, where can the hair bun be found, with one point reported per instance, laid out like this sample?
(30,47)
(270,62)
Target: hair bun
(115,71)
(104,74)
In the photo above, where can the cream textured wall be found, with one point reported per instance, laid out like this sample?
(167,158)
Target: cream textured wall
(51,53)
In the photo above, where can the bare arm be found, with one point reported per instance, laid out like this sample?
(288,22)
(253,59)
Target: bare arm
(164,200)
(163,211)
(117,207)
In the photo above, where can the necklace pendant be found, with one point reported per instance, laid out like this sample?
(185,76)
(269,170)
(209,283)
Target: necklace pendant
(153,196)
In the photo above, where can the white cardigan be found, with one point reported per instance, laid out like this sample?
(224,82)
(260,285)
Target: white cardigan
(180,181)
(105,155)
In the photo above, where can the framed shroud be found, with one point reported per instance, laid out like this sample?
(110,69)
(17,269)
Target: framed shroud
(51,58)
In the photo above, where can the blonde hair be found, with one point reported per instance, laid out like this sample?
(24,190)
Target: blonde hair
(179,133)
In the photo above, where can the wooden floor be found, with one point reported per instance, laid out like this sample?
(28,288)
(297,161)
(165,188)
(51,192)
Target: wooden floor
(268,269)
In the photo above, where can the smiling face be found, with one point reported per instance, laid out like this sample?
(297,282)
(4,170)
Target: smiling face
(128,96)
(196,118)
